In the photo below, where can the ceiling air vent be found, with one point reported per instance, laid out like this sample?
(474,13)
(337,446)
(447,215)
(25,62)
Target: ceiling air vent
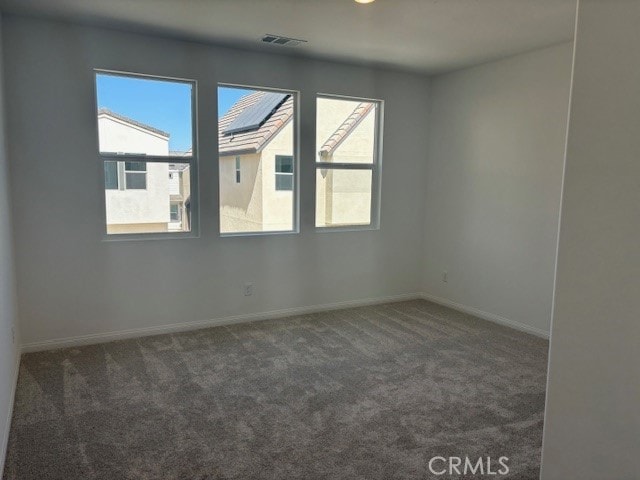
(282,41)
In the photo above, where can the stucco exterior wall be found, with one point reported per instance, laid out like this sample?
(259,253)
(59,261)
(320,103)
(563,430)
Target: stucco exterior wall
(180,192)
(240,203)
(132,207)
(254,204)
(138,228)
(277,212)
(136,211)
(116,136)
(343,197)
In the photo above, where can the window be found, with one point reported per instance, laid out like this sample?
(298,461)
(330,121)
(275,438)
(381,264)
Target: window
(125,175)
(174,212)
(258,126)
(145,142)
(135,175)
(111,175)
(348,162)
(284,173)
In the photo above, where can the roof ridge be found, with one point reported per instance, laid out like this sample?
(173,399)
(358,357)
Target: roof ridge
(346,127)
(130,120)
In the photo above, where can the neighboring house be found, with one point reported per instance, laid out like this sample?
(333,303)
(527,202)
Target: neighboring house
(256,158)
(141,196)
(179,197)
(345,134)
(256,163)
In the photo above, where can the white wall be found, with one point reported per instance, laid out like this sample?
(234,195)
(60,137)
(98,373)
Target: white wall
(8,316)
(496,141)
(592,427)
(71,283)
(116,136)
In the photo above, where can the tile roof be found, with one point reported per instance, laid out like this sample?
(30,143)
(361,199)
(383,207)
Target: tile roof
(343,131)
(131,121)
(251,141)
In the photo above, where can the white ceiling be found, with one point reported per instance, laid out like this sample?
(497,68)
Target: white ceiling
(430,36)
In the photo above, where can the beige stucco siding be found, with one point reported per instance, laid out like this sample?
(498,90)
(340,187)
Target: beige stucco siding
(240,203)
(278,204)
(137,228)
(343,197)
(254,204)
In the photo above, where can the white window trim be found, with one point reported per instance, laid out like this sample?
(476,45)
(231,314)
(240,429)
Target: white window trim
(375,167)
(296,164)
(117,157)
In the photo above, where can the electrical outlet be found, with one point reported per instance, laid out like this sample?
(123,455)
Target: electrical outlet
(248,289)
(445,276)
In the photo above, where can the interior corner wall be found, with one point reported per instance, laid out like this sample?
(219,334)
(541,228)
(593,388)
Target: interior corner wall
(73,283)
(9,353)
(592,422)
(496,142)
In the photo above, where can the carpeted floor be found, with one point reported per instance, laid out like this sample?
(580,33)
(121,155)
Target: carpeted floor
(362,393)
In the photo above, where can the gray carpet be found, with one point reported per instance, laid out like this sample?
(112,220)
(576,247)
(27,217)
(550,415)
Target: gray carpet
(362,393)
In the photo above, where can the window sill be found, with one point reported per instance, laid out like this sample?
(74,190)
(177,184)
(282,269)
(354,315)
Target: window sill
(138,237)
(259,234)
(348,228)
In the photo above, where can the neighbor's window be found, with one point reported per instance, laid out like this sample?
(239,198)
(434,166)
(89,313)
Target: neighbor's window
(347,162)
(175,213)
(284,173)
(257,127)
(135,174)
(145,135)
(111,181)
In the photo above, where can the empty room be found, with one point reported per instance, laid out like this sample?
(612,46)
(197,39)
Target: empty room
(305,239)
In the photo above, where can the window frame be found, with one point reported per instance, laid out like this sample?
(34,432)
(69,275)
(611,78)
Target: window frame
(192,161)
(375,167)
(295,94)
(238,169)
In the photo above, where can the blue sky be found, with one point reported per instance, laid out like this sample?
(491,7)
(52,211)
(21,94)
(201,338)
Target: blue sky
(228,96)
(161,104)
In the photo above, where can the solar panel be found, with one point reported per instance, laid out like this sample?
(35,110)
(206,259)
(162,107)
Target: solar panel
(252,117)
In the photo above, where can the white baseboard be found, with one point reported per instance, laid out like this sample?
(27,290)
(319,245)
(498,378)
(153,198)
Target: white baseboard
(186,326)
(12,398)
(492,317)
